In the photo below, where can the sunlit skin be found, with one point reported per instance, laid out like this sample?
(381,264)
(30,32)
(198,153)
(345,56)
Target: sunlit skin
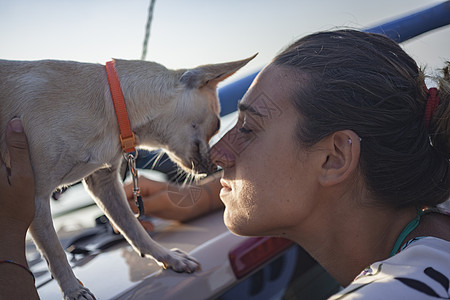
(255,156)
(315,196)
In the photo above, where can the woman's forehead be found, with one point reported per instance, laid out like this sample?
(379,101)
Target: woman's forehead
(274,86)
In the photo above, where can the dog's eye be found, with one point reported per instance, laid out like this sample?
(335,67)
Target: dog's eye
(218,125)
(194,125)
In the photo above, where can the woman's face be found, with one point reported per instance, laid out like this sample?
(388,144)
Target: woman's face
(268,180)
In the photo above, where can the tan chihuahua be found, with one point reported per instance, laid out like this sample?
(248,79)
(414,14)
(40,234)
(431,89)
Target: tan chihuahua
(73,134)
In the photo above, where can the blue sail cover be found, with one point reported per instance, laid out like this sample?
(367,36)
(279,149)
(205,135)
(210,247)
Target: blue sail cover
(400,30)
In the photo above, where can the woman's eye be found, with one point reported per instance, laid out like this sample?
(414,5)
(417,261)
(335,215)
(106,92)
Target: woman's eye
(244,130)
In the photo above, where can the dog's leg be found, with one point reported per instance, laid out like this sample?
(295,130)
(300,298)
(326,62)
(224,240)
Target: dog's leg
(108,192)
(44,235)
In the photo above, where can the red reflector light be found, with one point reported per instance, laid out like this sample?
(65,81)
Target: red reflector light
(254,252)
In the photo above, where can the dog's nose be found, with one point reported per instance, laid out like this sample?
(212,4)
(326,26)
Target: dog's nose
(212,169)
(205,167)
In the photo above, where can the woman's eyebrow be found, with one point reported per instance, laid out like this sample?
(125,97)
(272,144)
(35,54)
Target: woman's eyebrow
(247,108)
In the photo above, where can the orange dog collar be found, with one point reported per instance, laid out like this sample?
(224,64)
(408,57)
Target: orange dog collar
(127,138)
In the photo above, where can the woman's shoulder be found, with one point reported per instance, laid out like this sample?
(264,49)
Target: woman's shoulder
(420,271)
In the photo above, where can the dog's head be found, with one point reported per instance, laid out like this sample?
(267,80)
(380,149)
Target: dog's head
(195,115)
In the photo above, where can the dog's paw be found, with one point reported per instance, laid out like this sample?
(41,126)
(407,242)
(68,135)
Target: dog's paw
(179,261)
(81,294)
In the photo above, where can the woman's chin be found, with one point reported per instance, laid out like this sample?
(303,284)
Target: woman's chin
(236,225)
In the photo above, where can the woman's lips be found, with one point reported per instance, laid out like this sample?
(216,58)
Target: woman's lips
(224,183)
(225,187)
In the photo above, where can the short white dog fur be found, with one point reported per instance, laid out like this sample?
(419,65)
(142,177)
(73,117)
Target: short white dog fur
(68,116)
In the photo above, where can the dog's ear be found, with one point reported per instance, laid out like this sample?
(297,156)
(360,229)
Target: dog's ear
(211,75)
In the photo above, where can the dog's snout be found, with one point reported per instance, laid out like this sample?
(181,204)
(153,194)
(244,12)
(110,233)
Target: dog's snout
(197,155)
(201,160)
(205,167)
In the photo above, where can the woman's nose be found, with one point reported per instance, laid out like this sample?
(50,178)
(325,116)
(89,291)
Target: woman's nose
(221,154)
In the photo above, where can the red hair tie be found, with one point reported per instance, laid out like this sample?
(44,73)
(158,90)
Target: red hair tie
(432,104)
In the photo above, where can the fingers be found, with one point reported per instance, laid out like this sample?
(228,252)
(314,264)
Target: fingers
(148,226)
(143,185)
(128,190)
(147,187)
(17,144)
(132,204)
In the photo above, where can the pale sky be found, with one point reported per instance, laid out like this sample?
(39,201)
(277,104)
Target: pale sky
(187,33)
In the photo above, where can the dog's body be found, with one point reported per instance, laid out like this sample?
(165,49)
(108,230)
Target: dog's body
(68,116)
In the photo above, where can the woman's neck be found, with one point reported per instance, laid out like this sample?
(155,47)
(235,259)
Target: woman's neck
(352,237)
(433,224)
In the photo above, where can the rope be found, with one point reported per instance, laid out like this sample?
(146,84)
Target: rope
(147,29)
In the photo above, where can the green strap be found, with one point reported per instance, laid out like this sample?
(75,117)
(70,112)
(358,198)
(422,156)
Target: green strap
(408,229)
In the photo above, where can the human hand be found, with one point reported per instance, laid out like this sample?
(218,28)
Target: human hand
(17,188)
(148,190)
(171,201)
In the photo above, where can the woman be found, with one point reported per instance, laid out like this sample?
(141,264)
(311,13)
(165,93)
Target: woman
(340,147)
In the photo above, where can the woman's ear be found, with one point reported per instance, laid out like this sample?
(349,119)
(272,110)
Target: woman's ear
(342,149)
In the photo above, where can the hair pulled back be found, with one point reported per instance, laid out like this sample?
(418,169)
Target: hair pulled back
(366,83)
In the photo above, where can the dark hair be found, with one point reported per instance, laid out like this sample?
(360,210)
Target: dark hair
(366,83)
